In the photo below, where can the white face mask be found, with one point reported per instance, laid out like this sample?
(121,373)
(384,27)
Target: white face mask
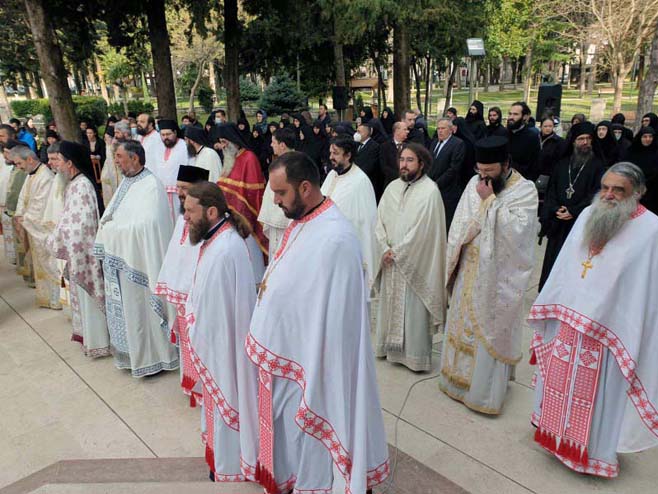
(357,137)
(218,121)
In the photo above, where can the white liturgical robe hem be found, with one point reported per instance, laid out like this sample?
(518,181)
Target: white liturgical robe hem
(297,338)
(354,195)
(614,303)
(217,331)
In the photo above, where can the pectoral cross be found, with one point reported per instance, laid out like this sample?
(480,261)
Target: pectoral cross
(586,265)
(570,191)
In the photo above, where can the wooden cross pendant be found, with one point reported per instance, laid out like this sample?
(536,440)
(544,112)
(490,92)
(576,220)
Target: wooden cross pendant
(586,265)
(261,289)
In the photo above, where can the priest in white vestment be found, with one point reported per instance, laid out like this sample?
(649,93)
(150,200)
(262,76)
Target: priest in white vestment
(218,312)
(111,175)
(596,333)
(270,215)
(411,244)
(131,243)
(5,173)
(490,259)
(14,186)
(150,139)
(172,155)
(351,191)
(201,154)
(72,241)
(320,423)
(175,278)
(35,226)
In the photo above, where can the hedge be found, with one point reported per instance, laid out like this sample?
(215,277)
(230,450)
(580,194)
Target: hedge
(137,106)
(89,108)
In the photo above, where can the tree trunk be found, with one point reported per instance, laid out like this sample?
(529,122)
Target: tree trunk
(161,53)
(649,83)
(428,85)
(527,73)
(5,111)
(195,86)
(29,92)
(91,78)
(583,70)
(145,87)
(487,77)
(451,81)
(212,77)
(416,71)
(231,55)
(515,65)
(52,69)
(101,80)
(36,81)
(591,78)
(618,82)
(401,77)
(339,62)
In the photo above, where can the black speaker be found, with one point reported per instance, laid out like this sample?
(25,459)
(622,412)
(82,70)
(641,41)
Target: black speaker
(549,98)
(340,95)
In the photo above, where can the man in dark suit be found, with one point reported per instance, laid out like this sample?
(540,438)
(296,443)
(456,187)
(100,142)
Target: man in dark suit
(367,158)
(389,152)
(448,153)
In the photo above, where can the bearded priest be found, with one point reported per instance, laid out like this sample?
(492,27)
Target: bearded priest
(490,258)
(218,326)
(320,419)
(595,340)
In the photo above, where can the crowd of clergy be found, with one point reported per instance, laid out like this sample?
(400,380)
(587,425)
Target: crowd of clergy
(254,262)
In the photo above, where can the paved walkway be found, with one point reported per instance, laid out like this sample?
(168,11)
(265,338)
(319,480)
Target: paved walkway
(60,412)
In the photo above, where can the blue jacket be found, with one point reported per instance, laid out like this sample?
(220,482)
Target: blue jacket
(27,138)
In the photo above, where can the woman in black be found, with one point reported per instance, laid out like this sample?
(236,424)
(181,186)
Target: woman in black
(644,154)
(552,149)
(605,145)
(317,147)
(460,129)
(388,119)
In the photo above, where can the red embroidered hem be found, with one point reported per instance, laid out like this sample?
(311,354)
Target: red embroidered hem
(306,419)
(583,324)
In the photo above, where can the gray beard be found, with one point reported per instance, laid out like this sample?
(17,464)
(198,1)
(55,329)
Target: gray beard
(60,183)
(606,220)
(230,153)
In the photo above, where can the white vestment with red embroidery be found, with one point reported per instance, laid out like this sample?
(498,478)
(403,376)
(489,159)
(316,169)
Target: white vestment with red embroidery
(354,195)
(595,340)
(320,417)
(174,283)
(165,167)
(218,309)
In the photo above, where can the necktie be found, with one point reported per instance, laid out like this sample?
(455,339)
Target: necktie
(438,148)
(398,146)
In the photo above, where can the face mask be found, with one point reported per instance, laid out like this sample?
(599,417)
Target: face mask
(218,121)
(357,137)
(133,131)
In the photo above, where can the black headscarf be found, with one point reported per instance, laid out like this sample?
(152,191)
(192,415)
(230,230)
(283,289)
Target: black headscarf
(388,120)
(343,128)
(464,133)
(78,154)
(480,111)
(367,114)
(197,135)
(230,132)
(606,148)
(378,132)
(246,133)
(653,120)
(646,157)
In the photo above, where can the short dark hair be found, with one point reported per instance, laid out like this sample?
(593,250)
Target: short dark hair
(409,111)
(347,144)
(150,120)
(323,106)
(210,195)
(10,130)
(285,136)
(421,153)
(14,121)
(134,148)
(525,109)
(221,112)
(299,168)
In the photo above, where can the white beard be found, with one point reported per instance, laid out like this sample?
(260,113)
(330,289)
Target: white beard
(230,153)
(61,181)
(606,220)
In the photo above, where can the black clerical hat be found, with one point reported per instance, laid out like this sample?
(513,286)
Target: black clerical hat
(192,174)
(230,132)
(78,154)
(166,123)
(585,128)
(491,150)
(196,134)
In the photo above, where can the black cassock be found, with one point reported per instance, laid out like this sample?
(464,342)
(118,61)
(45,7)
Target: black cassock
(584,188)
